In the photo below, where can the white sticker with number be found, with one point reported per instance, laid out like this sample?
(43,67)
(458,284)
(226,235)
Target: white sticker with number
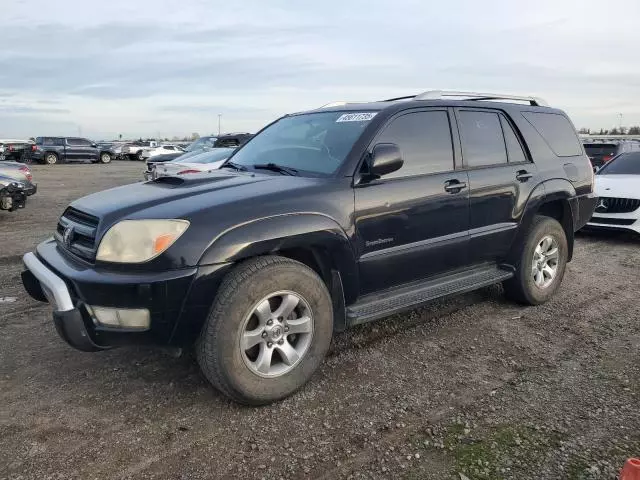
(356,117)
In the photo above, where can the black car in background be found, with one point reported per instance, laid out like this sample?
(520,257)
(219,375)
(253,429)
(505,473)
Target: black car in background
(601,152)
(51,150)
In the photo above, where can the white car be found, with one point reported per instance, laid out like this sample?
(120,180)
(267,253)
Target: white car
(161,150)
(618,188)
(202,162)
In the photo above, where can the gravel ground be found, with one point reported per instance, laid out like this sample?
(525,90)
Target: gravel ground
(471,387)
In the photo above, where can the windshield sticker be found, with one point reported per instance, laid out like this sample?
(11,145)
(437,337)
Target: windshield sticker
(356,117)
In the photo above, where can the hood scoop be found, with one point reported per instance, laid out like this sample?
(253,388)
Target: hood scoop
(192,180)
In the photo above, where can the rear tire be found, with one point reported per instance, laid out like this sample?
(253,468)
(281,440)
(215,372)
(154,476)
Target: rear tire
(244,349)
(51,158)
(139,156)
(542,263)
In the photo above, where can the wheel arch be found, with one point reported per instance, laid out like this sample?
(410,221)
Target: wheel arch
(313,239)
(555,199)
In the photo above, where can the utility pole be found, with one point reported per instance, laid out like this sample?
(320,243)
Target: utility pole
(219,120)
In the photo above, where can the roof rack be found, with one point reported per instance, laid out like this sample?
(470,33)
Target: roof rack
(334,104)
(440,94)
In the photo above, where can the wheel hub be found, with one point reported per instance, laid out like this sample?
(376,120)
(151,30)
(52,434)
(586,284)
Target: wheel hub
(545,262)
(276,334)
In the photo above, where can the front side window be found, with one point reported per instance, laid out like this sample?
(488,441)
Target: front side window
(425,142)
(316,143)
(482,139)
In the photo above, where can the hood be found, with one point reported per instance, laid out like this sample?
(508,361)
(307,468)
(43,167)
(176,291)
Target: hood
(172,168)
(618,186)
(186,196)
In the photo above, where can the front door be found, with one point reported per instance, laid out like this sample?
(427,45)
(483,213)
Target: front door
(501,178)
(413,223)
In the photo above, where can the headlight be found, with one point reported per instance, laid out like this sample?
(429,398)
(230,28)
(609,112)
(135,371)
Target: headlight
(137,241)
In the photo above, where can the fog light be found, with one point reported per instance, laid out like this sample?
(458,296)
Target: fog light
(122,317)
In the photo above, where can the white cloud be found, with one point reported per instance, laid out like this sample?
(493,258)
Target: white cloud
(139,68)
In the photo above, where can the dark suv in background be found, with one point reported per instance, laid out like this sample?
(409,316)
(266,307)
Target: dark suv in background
(51,150)
(325,219)
(601,152)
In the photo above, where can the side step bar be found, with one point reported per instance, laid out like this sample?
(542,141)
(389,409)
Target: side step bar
(375,306)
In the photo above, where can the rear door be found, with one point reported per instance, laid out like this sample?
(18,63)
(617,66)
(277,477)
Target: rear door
(74,150)
(413,223)
(501,178)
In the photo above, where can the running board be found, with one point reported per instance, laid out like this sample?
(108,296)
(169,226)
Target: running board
(379,305)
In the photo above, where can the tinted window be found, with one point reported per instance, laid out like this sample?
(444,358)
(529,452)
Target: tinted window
(482,139)
(597,151)
(624,164)
(51,141)
(311,142)
(557,131)
(514,147)
(424,139)
(78,142)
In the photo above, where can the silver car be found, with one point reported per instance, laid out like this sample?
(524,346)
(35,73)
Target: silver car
(21,173)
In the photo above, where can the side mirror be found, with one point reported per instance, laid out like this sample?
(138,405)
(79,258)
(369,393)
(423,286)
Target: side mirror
(595,169)
(385,159)
(94,145)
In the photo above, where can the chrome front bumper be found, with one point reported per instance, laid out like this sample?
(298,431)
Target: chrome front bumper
(53,286)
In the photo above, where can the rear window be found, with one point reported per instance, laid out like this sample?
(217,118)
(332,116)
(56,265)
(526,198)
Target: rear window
(599,150)
(557,131)
(624,164)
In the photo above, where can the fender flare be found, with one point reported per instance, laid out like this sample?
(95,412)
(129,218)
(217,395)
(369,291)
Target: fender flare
(320,233)
(545,192)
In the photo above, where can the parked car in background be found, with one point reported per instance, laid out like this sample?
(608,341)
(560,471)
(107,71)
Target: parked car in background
(11,149)
(12,194)
(600,153)
(51,150)
(203,162)
(617,185)
(135,150)
(161,150)
(324,220)
(20,173)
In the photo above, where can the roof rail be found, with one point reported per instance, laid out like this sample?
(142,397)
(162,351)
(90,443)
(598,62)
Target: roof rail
(334,104)
(440,94)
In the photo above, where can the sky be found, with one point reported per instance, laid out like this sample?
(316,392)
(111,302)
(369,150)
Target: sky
(163,67)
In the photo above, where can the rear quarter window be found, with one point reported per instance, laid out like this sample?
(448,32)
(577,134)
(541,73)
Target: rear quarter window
(557,132)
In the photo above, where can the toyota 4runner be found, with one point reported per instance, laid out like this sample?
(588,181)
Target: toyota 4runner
(326,219)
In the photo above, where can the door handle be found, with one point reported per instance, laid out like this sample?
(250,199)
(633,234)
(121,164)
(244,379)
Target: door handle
(454,186)
(523,175)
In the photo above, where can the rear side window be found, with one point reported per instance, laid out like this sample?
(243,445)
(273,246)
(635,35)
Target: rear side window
(482,139)
(557,131)
(50,141)
(514,147)
(78,142)
(425,141)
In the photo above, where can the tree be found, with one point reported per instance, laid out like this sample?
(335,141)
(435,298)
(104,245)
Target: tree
(584,131)
(614,131)
(623,130)
(635,130)
(195,136)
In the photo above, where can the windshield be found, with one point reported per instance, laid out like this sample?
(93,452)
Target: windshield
(314,142)
(214,155)
(201,144)
(624,164)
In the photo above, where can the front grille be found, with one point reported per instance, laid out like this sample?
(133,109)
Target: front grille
(617,205)
(76,233)
(612,221)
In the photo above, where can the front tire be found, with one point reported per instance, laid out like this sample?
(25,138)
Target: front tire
(51,159)
(105,157)
(268,330)
(139,156)
(542,263)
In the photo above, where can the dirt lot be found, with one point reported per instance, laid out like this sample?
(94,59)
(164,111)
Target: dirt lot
(473,385)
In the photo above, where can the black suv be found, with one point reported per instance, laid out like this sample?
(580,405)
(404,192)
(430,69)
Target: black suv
(601,152)
(325,219)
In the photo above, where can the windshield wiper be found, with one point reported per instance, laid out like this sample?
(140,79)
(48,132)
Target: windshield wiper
(274,167)
(235,166)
